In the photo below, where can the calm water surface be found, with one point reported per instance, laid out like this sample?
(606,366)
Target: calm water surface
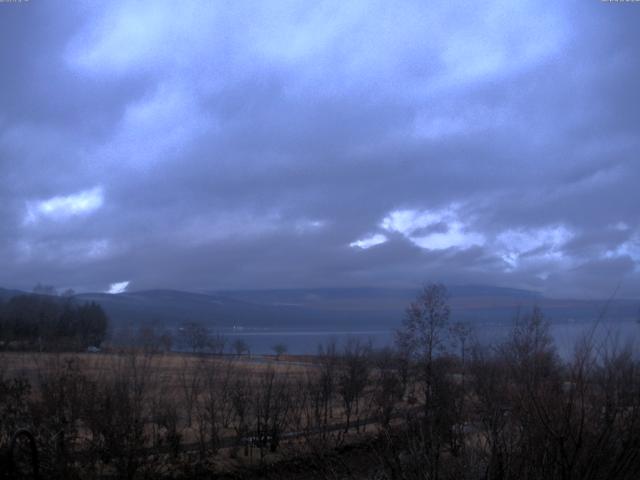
(307,341)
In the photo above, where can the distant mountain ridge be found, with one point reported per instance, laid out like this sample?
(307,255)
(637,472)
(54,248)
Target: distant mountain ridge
(335,308)
(6,294)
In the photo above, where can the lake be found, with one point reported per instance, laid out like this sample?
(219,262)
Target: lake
(306,341)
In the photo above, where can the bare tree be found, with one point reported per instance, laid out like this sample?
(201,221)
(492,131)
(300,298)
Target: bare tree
(166,423)
(279,349)
(423,332)
(240,397)
(328,358)
(353,378)
(195,336)
(190,377)
(214,406)
(388,388)
(271,404)
(217,343)
(116,412)
(424,326)
(166,341)
(240,346)
(461,333)
(423,336)
(147,339)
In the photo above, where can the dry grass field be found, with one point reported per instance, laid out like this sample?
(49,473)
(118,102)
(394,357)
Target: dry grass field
(166,367)
(237,412)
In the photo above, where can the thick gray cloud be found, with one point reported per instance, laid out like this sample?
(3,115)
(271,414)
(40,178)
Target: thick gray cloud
(233,145)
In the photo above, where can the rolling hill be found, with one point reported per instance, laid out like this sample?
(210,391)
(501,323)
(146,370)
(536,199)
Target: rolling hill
(334,308)
(349,308)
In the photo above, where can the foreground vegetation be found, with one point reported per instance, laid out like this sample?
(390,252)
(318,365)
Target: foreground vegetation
(427,409)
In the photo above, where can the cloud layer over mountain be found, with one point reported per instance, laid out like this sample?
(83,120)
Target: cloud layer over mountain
(202,145)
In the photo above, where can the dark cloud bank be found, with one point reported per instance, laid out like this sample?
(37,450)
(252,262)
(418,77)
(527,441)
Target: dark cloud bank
(199,146)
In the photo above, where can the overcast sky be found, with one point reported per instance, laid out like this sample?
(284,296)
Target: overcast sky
(214,145)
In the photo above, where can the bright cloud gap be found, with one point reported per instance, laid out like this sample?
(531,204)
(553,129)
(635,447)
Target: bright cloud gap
(62,207)
(445,228)
(537,244)
(118,287)
(432,229)
(368,242)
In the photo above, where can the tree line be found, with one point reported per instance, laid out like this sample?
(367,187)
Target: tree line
(45,322)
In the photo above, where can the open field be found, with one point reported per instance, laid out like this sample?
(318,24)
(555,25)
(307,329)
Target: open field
(167,367)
